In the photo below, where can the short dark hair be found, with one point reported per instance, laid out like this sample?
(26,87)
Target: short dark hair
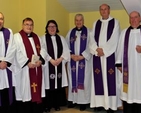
(54,22)
(28,19)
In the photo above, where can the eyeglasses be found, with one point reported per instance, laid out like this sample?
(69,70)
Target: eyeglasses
(31,25)
(51,26)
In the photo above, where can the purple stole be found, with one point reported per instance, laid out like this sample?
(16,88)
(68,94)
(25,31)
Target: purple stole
(79,83)
(98,79)
(35,75)
(6,34)
(50,51)
(125,60)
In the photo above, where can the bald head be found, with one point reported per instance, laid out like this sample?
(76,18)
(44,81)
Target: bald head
(104,11)
(104,5)
(1,20)
(135,19)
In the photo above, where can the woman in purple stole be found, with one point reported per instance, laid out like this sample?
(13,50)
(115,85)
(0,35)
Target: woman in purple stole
(54,69)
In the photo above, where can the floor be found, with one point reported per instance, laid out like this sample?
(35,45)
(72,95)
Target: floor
(76,110)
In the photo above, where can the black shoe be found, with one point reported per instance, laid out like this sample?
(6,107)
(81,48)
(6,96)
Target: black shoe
(71,105)
(57,108)
(98,108)
(82,107)
(109,111)
(47,110)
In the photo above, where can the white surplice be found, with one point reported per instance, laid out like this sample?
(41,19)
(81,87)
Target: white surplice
(134,64)
(109,47)
(9,55)
(82,96)
(66,57)
(23,90)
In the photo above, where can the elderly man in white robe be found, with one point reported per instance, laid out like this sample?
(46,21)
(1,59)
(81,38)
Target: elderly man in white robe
(30,55)
(79,71)
(103,44)
(7,80)
(129,62)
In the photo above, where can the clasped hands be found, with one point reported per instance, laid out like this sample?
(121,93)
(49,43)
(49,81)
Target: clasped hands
(76,57)
(100,52)
(3,65)
(37,64)
(56,62)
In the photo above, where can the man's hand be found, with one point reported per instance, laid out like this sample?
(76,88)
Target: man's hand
(77,57)
(138,48)
(3,65)
(120,69)
(100,52)
(38,63)
(30,65)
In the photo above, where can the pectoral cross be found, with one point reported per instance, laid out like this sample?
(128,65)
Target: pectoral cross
(38,49)
(34,85)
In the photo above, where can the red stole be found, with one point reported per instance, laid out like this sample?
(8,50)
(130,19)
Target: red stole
(35,75)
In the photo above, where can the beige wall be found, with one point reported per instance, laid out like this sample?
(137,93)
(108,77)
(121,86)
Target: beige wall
(43,10)
(90,17)
(57,12)
(10,9)
(39,10)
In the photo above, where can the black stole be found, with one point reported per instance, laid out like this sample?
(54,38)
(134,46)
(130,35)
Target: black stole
(50,50)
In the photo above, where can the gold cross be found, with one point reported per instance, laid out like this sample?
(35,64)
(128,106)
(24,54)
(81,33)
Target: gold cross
(97,71)
(38,49)
(111,71)
(34,85)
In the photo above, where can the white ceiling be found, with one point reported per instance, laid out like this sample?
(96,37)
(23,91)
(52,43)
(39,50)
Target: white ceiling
(89,5)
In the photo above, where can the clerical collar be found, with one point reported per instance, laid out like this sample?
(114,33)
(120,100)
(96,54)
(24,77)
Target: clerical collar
(78,29)
(29,35)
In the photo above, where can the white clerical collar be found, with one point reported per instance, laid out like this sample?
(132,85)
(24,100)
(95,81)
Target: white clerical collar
(103,20)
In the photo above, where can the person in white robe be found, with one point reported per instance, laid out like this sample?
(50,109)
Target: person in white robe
(129,62)
(103,44)
(79,68)
(30,55)
(55,67)
(7,79)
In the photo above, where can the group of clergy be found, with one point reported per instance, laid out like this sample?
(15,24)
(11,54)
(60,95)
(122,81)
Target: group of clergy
(101,67)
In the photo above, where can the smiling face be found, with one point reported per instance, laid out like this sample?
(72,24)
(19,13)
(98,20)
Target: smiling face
(104,11)
(52,29)
(134,19)
(28,26)
(1,20)
(79,21)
